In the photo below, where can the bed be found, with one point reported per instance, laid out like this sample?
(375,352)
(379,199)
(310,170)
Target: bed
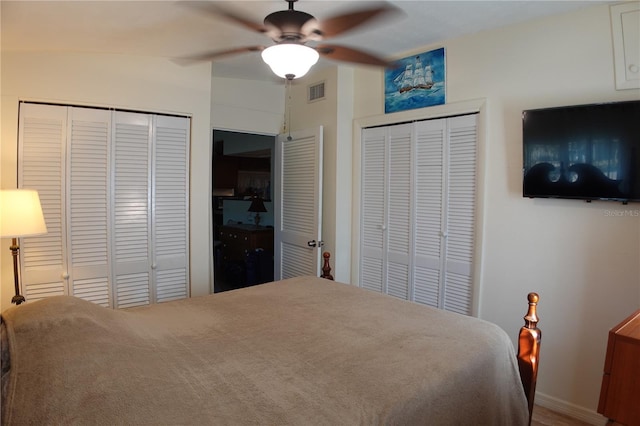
(299,351)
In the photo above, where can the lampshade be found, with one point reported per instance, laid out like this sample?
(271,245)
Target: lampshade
(290,60)
(257,205)
(20,213)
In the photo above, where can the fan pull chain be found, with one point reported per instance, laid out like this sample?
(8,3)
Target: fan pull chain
(288,82)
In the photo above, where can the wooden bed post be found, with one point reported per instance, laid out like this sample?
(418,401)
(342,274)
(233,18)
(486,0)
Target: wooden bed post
(529,351)
(326,268)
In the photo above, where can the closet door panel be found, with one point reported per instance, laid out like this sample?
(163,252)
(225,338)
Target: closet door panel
(131,201)
(399,220)
(171,207)
(88,200)
(42,136)
(373,225)
(461,203)
(429,227)
(298,210)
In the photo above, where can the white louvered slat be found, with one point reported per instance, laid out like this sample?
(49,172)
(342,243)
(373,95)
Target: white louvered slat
(42,290)
(304,260)
(429,187)
(399,221)
(398,280)
(458,294)
(373,208)
(42,135)
(132,289)
(131,209)
(371,274)
(461,212)
(88,200)
(298,186)
(171,207)
(399,197)
(427,286)
(95,290)
(430,140)
(171,284)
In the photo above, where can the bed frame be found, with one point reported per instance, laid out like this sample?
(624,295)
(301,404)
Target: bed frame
(529,351)
(528,341)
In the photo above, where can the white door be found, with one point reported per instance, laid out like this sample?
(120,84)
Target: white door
(42,166)
(114,188)
(373,270)
(418,211)
(170,208)
(386,214)
(131,200)
(298,204)
(88,188)
(461,213)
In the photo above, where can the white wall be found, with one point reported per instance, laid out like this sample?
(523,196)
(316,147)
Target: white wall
(247,106)
(580,258)
(137,83)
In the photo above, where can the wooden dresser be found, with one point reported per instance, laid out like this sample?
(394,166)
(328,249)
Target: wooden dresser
(238,240)
(620,391)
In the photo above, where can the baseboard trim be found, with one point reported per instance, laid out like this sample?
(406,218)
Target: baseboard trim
(571,410)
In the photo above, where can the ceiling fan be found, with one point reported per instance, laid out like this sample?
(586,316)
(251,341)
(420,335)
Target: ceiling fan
(291,29)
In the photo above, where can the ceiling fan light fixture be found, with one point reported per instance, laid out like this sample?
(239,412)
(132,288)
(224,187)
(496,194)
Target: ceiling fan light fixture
(290,60)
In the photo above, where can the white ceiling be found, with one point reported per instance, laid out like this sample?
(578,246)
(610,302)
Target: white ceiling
(172,30)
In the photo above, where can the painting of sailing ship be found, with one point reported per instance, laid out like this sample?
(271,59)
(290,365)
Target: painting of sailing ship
(416,81)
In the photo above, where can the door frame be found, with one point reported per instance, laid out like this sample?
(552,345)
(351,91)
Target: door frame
(212,236)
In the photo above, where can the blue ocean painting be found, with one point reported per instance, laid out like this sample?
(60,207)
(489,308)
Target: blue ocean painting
(416,81)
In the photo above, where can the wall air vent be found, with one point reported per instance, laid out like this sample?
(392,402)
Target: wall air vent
(315,92)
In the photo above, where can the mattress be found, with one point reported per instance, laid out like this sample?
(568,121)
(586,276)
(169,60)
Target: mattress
(298,351)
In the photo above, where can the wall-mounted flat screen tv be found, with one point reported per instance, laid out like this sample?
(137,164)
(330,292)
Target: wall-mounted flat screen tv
(588,152)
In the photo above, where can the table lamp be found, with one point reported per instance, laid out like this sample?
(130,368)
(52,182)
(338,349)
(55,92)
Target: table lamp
(20,216)
(257,206)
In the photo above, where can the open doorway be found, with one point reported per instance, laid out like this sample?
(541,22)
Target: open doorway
(242,209)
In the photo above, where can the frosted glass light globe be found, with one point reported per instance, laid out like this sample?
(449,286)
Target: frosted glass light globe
(290,60)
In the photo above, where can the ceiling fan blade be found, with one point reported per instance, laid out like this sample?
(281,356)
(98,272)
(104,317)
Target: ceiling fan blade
(211,56)
(347,54)
(214,9)
(340,24)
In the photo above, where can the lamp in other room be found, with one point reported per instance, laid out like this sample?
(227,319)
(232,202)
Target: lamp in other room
(290,60)
(20,216)
(257,207)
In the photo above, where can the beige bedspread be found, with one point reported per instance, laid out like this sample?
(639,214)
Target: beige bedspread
(295,352)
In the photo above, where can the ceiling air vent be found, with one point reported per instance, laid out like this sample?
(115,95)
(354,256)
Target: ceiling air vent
(315,92)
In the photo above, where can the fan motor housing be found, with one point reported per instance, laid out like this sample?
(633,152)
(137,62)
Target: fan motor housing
(287,24)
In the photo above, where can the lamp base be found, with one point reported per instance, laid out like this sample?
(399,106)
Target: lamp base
(17,299)
(15,250)
(256,219)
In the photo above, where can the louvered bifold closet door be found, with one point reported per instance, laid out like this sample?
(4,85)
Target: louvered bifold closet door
(131,209)
(429,223)
(88,221)
(171,207)
(373,225)
(461,213)
(418,211)
(41,166)
(399,219)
